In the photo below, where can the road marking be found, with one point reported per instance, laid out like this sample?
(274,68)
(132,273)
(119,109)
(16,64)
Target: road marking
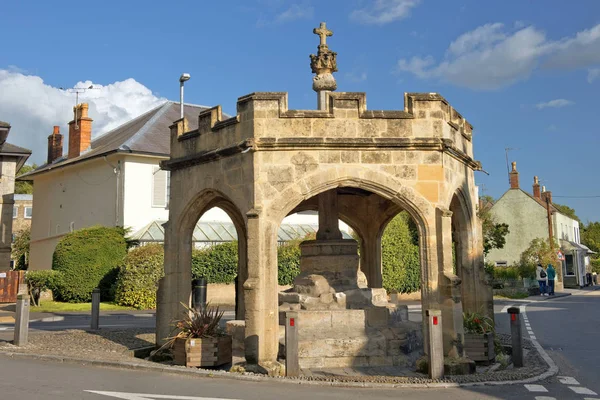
(567,380)
(536,388)
(582,390)
(145,396)
(544,398)
(505,309)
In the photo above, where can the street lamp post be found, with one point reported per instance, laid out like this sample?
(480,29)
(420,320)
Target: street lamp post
(182,78)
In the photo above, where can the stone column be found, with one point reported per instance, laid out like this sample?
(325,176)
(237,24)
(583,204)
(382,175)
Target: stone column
(450,295)
(260,292)
(371,257)
(176,286)
(328,216)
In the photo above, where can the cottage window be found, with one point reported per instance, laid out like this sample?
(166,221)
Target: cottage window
(15,211)
(28,212)
(159,187)
(501,264)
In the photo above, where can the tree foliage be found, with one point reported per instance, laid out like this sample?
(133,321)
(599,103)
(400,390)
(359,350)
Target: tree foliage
(540,251)
(38,281)
(218,264)
(138,278)
(590,236)
(87,259)
(494,233)
(24,187)
(400,255)
(20,249)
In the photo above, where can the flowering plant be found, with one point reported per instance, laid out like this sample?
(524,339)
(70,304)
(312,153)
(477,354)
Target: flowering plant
(477,323)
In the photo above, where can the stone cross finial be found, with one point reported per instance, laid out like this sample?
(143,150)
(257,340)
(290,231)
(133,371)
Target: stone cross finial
(323,32)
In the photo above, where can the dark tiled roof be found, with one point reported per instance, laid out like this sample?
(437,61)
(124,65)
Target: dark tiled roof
(12,149)
(146,134)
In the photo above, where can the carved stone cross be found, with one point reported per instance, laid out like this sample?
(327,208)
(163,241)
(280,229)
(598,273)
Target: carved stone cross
(323,32)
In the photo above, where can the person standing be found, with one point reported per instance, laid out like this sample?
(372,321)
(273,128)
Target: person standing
(541,278)
(551,272)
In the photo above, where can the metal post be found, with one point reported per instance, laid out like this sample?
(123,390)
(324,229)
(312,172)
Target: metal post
(95,309)
(199,294)
(292,365)
(517,339)
(436,344)
(22,320)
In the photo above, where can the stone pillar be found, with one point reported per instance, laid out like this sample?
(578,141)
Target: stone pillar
(176,286)
(371,257)
(260,292)
(450,295)
(328,216)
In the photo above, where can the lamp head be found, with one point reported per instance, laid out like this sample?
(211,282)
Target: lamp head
(184,77)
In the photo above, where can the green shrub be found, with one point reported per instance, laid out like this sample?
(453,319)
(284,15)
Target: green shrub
(138,277)
(20,249)
(38,281)
(595,265)
(218,264)
(506,273)
(288,262)
(88,258)
(400,256)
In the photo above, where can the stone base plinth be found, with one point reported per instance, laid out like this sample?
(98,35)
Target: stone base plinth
(335,260)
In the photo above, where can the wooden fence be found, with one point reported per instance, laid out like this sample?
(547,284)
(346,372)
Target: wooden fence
(9,285)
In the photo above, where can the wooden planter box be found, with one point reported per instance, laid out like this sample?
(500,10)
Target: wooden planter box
(480,347)
(205,352)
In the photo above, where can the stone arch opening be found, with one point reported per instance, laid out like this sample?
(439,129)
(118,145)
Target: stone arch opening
(462,243)
(201,204)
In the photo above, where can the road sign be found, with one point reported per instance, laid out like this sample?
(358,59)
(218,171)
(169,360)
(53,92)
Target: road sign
(560,255)
(147,396)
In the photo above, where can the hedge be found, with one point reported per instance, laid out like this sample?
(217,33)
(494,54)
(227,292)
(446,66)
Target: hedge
(138,277)
(86,259)
(400,256)
(288,262)
(218,264)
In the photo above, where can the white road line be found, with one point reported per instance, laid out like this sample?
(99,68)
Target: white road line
(582,390)
(505,309)
(567,380)
(536,388)
(544,398)
(553,367)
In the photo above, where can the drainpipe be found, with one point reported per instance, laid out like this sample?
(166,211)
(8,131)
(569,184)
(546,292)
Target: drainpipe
(117,171)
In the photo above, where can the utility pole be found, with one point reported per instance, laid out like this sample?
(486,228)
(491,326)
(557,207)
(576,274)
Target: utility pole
(550,232)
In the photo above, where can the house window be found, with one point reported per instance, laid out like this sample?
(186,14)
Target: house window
(28,212)
(15,211)
(159,187)
(570,268)
(501,264)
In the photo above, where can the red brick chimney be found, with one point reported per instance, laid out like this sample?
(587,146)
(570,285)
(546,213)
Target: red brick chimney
(80,131)
(514,176)
(536,188)
(55,145)
(546,195)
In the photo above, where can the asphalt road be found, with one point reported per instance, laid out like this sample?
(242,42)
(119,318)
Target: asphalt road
(567,328)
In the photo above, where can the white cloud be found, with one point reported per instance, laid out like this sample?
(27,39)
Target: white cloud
(493,56)
(557,103)
(593,74)
(295,12)
(33,108)
(384,11)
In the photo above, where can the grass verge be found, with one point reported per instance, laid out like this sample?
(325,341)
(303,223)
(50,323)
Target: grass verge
(55,306)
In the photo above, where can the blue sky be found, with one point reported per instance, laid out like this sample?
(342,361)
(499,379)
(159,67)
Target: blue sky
(526,74)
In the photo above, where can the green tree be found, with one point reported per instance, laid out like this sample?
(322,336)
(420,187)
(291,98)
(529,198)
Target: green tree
(24,187)
(20,249)
(590,236)
(540,251)
(494,233)
(568,211)
(400,255)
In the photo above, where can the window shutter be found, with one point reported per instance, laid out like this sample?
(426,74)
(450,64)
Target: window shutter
(159,188)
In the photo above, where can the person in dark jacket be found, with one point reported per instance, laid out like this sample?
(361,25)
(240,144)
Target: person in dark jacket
(542,277)
(551,272)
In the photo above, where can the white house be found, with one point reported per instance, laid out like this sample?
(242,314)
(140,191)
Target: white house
(113,180)
(531,216)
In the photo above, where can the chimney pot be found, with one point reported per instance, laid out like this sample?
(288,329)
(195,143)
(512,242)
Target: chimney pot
(514,176)
(536,188)
(55,145)
(80,131)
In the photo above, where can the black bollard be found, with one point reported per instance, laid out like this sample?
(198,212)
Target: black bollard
(516,338)
(199,294)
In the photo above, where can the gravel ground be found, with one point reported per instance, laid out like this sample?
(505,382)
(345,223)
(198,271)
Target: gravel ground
(114,345)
